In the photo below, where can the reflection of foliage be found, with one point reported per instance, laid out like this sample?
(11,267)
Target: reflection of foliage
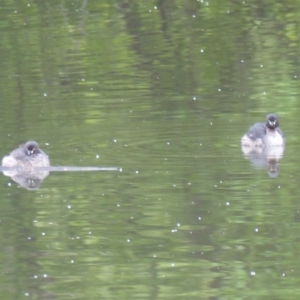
(170,47)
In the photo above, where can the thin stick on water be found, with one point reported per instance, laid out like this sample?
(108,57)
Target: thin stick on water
(62,169)
(78,169)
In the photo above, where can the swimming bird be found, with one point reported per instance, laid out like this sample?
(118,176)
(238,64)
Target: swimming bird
(266,134)
(28,155)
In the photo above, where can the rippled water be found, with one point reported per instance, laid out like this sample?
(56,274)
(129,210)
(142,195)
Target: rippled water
(164,91)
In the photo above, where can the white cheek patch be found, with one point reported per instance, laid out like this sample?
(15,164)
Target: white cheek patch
(30,152)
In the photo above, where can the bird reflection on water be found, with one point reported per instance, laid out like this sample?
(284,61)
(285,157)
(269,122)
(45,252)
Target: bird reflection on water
(28,166)
(265,158)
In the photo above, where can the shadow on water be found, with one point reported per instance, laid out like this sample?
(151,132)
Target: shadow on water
(32,178)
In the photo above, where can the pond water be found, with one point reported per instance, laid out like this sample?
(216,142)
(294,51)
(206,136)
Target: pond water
(163,90)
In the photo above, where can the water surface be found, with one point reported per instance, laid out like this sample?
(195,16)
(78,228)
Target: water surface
(163,90)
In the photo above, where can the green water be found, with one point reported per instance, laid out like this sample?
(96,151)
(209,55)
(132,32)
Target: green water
(163,90)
